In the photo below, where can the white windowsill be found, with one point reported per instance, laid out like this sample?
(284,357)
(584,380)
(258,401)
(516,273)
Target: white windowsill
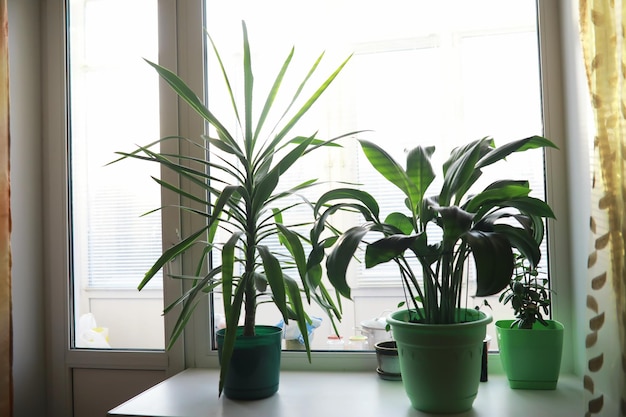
(193,393)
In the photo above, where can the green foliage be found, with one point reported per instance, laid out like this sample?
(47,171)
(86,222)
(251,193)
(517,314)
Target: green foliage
(485,226)
(528,294)
(249,205)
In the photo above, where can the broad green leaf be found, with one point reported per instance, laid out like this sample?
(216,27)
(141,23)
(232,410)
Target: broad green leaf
(387,249)
(519,145)
(401,222)
(496,192)
(420,170)
(459,174)
(348,194)
(454,222)
(340,257)
(522,240)
(382,162)
(494,261)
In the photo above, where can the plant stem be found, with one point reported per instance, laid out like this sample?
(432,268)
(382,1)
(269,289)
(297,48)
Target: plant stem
(250,262)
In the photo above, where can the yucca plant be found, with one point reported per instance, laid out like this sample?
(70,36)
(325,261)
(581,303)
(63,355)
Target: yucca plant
(432,241)
(244,199)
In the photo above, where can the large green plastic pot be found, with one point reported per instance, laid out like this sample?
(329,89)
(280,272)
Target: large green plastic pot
(254,370)
(440,364)
(531,358)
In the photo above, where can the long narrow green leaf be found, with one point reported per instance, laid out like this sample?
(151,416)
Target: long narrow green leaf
(189,304)
(228,259)
(140,149)
(181,322)
(248,86)
(272,95)
(170,254)
(307,105)
(295,248)
(294,155)
(264,190)
(184,92)
(295,300)
(180,191)
(223,145)
(226,78)
(230,336)
(275,278)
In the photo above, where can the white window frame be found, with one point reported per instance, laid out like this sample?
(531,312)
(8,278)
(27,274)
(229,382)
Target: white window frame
(181,37)
(198,353)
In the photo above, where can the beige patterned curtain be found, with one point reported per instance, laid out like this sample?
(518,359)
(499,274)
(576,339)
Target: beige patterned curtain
(602,34)
(6,384)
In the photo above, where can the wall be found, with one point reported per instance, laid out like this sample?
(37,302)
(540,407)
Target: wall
(25,91)
(577,133)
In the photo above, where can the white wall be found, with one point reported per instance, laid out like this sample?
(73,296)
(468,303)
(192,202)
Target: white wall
(27,282)
(577,132)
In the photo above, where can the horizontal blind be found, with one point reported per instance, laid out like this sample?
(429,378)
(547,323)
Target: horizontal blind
(114,107)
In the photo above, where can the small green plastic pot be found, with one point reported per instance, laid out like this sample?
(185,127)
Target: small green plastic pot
(254,370)
(441,363)
(531,358)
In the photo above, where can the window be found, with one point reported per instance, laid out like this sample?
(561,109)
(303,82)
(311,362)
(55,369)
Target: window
(433,73)
(419,74)
(180,23)
(114,106)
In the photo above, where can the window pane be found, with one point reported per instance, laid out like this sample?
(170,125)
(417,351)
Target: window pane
(114,107)
(423,72)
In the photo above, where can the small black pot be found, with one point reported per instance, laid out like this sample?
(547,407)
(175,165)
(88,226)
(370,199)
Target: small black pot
(387,357)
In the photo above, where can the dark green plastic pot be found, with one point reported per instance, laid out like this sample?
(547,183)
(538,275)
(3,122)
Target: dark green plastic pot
(531,358)
(440,364)
(254,370)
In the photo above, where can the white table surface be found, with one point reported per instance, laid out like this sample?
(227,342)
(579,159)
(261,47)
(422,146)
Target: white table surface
(193,393)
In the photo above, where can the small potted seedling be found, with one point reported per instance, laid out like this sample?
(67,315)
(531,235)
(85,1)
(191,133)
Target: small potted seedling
(530,345)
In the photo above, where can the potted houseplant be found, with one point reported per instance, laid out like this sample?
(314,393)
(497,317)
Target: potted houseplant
(244,198)
(439,340)
(531,345)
